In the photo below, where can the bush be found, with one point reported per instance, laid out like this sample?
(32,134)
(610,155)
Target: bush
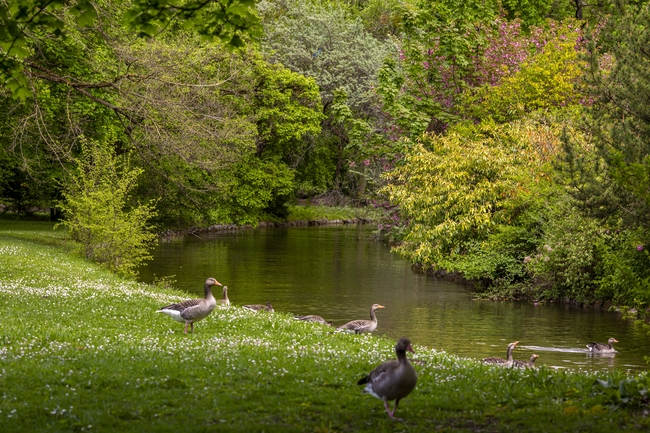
(624,273)
(98,213)
(565,263)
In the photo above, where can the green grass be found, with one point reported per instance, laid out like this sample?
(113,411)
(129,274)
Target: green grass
(84,350)
(331,213)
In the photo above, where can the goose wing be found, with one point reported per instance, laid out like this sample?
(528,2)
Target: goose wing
(597,346)
(390,380)
(493,360)
(357,326)
(182,305)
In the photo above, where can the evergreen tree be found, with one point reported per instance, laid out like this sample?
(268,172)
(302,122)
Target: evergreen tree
(612,180)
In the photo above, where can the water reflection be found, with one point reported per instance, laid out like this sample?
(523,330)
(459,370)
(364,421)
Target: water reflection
(338,273)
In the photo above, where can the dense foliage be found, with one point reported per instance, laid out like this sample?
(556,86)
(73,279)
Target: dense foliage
(507,139)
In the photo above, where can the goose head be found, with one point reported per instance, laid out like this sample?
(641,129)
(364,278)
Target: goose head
(212,282)
(403,345)
(376,307)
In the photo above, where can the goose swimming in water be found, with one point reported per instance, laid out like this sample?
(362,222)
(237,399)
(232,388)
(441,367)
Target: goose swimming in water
(602,347)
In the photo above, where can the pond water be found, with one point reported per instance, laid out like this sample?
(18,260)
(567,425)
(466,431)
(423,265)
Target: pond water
(338,272)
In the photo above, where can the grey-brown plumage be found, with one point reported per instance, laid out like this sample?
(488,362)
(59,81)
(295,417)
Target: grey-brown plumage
(525,364)
(500,361)
(361,326)
(225,300)
(392,380)
(258,307)
(602,347)
(313,318)
(193,310)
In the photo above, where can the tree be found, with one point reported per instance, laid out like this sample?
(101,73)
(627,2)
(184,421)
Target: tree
(615,182)
(24,22)
(343,58)
(189,111)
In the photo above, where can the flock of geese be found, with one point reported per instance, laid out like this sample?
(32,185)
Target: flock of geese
(391,380)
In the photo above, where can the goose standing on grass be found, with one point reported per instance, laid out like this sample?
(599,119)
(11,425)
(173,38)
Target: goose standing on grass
(193,310)
(313,318)
(225,301)
(392,380)
(525,364)
(361,326)
(500,361)
(602,347)
(258,307)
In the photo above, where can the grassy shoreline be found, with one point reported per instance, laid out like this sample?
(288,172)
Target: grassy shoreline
(83,350)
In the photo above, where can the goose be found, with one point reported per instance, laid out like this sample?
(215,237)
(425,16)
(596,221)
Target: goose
(257,307)
(392,380)
(361,326)
(602,347)
(313,318)
(500,361)
(193,310)
(525,364)
(225,301)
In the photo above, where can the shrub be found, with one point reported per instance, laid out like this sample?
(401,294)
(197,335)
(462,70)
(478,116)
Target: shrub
(98,213)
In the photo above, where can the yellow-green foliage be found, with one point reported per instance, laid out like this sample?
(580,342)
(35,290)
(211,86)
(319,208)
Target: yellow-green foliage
(459,186)
(547,80)
(97,211)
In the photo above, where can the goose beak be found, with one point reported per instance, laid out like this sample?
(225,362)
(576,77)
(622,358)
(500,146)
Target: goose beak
(410,349)
(380,306)
(217,283)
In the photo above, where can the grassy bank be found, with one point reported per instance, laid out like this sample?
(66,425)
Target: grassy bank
(83,350)
(331,213)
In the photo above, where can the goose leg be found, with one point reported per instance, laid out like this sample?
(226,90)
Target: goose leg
(192,327)
(390,414)
(185,330)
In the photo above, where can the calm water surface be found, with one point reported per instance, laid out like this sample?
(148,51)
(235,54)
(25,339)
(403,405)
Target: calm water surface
(339,272)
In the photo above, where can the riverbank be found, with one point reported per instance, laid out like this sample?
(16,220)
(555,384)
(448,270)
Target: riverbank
(83,350)
(298,216)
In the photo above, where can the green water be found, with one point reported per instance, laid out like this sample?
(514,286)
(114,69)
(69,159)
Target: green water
(338,272)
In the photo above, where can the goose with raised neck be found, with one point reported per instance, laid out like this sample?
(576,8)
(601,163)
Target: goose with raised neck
(193,310)
(361,326)
(500,361)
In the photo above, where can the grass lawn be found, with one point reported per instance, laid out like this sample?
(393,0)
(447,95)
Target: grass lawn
(83,350)
(310,213)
